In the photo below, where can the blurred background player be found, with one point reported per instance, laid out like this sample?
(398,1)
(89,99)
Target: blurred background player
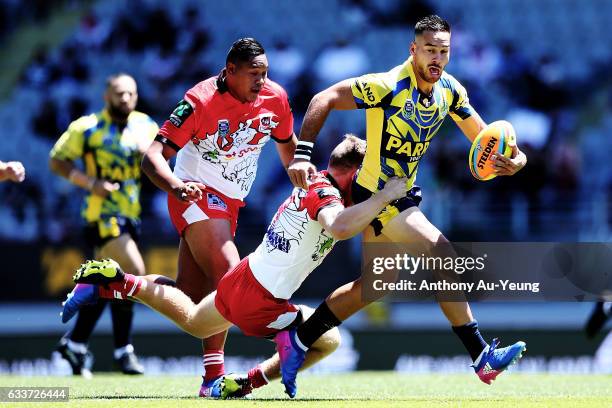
(110,144)
(405,107)
(217,132)
(12,171)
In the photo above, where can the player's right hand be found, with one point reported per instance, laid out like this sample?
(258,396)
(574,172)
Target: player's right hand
(299,172)
(103,188)
(190,192)
(395,188)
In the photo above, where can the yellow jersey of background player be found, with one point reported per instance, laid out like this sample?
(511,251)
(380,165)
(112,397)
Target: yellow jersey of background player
(111,153)
(111,144)
(401,121)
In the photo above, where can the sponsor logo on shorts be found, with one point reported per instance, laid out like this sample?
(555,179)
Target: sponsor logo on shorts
(215,202)
(182,111)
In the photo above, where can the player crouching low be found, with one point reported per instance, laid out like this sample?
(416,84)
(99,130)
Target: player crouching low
(255,294)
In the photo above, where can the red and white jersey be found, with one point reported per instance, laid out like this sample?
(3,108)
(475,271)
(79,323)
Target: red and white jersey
(219,139)
(295,243)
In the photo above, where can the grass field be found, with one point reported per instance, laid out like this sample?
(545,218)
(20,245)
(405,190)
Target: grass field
(363,389)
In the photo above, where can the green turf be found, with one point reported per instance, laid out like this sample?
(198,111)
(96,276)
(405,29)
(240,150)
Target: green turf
(371,389)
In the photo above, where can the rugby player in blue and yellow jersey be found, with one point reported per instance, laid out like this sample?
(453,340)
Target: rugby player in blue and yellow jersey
(405,107)
(110,144)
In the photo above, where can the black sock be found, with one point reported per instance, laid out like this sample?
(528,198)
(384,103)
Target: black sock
(122,312)
(86,321)
(322,320)
(471,338)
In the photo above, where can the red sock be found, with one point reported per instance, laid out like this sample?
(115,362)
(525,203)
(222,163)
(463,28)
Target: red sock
(213,364)
(130,286)
(257,378)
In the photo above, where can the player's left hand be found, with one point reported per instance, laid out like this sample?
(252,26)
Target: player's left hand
(14,171)
(505,166)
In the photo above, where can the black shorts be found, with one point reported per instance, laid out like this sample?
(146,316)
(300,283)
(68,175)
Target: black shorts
(360,194)
(100,232)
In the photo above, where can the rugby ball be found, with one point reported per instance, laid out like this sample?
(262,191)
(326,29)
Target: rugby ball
(497,137)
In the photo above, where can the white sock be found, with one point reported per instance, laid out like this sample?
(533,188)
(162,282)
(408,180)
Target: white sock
(80,348)
(119,352)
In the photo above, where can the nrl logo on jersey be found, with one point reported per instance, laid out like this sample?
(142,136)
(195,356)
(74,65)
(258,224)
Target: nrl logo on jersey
(223,127)
(408,111)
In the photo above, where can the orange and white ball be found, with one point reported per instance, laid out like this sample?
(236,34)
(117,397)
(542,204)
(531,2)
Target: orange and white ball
(497,137)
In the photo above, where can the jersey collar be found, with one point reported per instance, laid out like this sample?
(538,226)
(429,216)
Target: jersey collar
(346,195)
(105,115)
(330,178)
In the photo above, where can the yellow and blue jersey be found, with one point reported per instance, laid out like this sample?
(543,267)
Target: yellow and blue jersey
(401,121)
(108,153)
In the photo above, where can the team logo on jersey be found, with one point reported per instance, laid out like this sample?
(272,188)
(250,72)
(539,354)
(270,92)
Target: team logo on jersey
(223,127)
(215,202)
(265,121)
(408,110)
(180,114)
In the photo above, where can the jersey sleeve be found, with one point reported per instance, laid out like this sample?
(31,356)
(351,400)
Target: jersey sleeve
(181,126)
(152,129)
(372,91)
(460,109)
(70,144)
(319,196)
(284,130)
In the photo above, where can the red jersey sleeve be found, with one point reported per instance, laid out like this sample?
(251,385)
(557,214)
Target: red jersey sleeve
(321,194)
(282,133)
(181,126)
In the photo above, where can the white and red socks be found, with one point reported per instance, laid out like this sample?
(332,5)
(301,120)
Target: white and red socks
(213,364)
(257,378)
(121,290)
